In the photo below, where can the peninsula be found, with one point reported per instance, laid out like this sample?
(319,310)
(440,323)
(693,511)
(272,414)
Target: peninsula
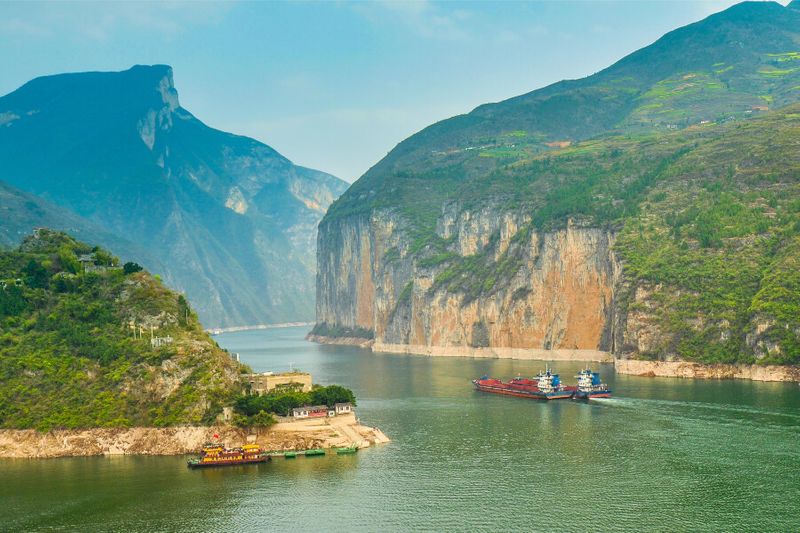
(99,357)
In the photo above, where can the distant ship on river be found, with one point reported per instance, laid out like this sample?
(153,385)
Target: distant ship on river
(546,386)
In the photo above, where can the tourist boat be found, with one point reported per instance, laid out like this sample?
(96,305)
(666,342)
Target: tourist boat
(546,386)
(590,386)
(215,454)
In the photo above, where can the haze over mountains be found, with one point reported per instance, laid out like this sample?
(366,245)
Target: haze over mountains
(222,217)
(644,210)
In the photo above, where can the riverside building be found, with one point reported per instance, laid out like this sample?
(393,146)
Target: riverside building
(269,381)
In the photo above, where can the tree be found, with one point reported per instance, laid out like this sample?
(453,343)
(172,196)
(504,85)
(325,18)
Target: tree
(331,395)
(36,275)
(104,258)
(263,419)
(130,268)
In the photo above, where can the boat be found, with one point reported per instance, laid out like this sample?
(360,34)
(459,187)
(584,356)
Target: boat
(545,386)
(215,454)
(315,451)
(347,450)
(590,386)
(290,455)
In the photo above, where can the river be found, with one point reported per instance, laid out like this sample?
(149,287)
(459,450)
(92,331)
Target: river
(662,455)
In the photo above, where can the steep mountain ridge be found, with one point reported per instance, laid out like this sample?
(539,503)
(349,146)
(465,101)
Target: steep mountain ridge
(492,231)
(719,67)
(231,221)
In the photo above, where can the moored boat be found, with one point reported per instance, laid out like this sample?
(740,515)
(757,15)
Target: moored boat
(347,450)
(214,454)
(590,386)
(546,386)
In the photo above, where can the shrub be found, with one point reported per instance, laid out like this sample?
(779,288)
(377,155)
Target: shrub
(130,268)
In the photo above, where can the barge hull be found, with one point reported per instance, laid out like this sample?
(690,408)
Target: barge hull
(525,394)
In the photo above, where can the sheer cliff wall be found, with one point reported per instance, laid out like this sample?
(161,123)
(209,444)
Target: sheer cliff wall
(557,296)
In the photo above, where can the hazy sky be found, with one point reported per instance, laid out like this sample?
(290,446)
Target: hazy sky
(336,85)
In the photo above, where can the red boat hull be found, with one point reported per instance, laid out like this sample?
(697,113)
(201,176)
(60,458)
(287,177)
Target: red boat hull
(527,392)
(230,462)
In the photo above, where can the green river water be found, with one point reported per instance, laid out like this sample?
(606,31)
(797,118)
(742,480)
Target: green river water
(662,455)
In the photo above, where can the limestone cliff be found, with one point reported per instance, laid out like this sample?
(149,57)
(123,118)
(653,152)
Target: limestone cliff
(558,292)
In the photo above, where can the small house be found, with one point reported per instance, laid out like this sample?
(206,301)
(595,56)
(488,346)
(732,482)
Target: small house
(300,412)
(87,262)
(343,408)
(318,411)
(314,411)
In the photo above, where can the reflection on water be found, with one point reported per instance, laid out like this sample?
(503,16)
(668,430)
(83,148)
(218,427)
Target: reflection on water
(663,454)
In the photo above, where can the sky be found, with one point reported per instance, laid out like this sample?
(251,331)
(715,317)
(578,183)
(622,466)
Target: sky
(335,85)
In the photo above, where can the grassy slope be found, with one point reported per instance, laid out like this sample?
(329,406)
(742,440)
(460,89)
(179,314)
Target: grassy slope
(68,357)
(726,67)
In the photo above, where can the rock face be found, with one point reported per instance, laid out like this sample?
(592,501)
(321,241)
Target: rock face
(559,296)
(223,218)
(685,369)
(342,430)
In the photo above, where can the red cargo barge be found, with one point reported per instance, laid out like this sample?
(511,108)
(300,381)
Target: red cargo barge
(546,386)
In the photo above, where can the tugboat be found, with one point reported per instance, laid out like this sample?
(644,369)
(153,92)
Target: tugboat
(550,386)
(590,386)
(546,386)
(215,454)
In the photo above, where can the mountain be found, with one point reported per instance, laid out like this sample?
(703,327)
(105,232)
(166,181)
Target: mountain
(228,220)
(23,212)
(734,62)
(643,211)
(69,357)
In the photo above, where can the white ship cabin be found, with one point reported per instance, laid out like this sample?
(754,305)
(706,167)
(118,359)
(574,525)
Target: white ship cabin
(343,408)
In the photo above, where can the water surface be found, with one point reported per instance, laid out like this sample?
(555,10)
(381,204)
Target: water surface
(663,455)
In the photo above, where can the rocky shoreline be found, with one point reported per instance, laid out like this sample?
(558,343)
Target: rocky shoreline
(532,354)
(341,341)
(343,430)
(675,369)
(685,369)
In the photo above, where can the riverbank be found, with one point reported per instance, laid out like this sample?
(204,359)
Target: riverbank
(342,430)
(341,341)
(217,331)
(531,354)
(673,369)
(685,369)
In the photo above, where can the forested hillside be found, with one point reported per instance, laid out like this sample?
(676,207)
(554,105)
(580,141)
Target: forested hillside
(76,349)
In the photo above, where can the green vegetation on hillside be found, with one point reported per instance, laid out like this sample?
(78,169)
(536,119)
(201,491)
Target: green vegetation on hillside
(75,348)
